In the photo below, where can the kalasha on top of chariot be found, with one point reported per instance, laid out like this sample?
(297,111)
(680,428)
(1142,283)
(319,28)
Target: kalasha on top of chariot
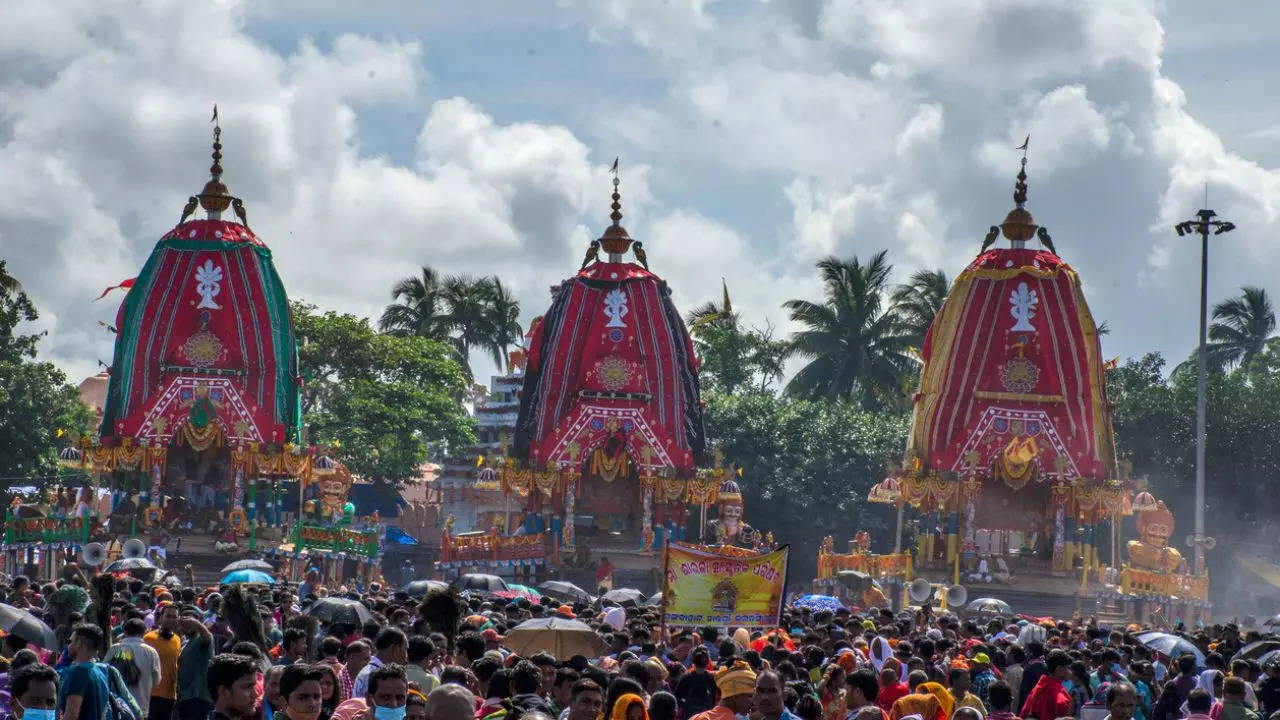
(611,380)
(205,354)
(1012,385)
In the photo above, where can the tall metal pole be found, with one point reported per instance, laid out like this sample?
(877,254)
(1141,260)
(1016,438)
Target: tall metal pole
(1202,225)
(1201,361)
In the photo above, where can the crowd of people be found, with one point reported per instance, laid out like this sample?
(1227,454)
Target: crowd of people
(143,652)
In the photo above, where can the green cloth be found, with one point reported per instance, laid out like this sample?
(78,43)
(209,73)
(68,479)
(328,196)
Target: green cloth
(193,664)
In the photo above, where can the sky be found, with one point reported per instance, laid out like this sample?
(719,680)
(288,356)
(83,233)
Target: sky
(755,137)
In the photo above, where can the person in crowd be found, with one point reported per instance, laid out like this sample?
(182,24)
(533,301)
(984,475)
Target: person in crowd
(194,701)
(84,692)
(450,702)
(1199,703)
(232,682)
(1049,699)
(137,662)
(1000,701)
(391,647)
(302,694)
(696,691)
(34,690)
(164,639)
(737,685)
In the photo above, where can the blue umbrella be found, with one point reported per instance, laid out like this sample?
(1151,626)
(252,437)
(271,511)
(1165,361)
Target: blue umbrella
(818,603)
(1171,646)
(396,536)
(248,577)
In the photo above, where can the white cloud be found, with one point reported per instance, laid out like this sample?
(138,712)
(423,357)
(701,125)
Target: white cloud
(671,27)
(922,130)
(104,145)
(1065,126)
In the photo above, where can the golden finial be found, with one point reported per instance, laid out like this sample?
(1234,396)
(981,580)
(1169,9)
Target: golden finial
(1018,225)
(214,197)
(615,239)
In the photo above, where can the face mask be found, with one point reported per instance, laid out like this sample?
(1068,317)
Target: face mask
(386,713)
(37,714)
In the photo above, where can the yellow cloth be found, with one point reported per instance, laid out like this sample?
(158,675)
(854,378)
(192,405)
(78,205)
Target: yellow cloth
(944,696)
(624,703)
(739,679)
(168,651)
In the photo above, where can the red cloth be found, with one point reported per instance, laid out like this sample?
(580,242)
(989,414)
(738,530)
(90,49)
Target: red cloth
(1048,700)
(1015,331)
(890,694)
(604,571)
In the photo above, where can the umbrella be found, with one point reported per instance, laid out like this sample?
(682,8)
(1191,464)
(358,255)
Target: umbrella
(818,603)
(1274,655)
(479,582)
(1171,646)
(249,564)
(525,590)
(625,596)
(20,623)
(1255,650)
(129,565)
(340,610)
(989,606)
(419,588)
(248,577)
(513,595)
(565,592)
(561,637)
(1273,620)
(654,599)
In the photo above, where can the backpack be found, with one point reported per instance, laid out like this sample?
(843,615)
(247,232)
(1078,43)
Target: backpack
(118,708)
(122,659)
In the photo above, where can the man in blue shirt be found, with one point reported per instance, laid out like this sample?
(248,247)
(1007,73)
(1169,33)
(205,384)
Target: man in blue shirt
(768,698)
(84,687)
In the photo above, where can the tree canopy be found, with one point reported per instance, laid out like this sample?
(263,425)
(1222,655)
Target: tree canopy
(388,403)
(37,405)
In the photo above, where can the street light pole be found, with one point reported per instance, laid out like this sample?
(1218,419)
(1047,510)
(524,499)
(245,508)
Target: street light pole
(1203,225)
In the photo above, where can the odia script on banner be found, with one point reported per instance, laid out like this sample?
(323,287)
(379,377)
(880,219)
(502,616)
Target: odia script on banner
(723,586)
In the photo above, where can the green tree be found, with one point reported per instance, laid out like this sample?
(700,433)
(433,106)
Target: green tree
(733,359)
(504,320)
(1240,329)
(468,313)
(859,349)
(37,405)
(918,300)
(807,466)
(415,307)
(388,402)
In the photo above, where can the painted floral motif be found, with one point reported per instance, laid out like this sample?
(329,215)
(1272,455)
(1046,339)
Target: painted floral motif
(613,372)
(208,285)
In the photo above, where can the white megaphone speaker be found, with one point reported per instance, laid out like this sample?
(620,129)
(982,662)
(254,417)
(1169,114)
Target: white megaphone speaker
(133,549)
(955,596)
(920,590)
(93,554)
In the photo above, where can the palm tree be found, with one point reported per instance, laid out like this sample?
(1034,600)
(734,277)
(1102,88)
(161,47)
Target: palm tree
(9,284)
(858,348)
(504,319)
(920,299)
(467,312)
(1240,329)
(416,307)
(709,312)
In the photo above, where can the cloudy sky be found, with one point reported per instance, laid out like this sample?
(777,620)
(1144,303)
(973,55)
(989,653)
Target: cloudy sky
(756,136)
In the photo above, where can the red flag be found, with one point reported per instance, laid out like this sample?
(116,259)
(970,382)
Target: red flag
(126,284)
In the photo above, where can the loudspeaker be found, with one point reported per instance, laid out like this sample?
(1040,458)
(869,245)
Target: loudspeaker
(93,554)
(134,548)
(920,591)
(956,595)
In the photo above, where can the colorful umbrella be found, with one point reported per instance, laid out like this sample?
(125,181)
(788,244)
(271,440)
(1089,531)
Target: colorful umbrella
(818,603)
(531,593)
(248,577)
